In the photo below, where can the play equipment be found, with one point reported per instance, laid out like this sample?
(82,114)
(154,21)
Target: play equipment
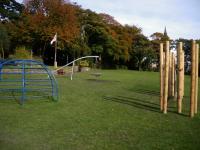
(61,71)
(26,79)
(172,79)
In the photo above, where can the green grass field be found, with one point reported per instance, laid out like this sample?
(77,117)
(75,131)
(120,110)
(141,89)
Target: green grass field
(119,111)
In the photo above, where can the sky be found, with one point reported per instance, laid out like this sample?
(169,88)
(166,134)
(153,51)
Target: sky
(181,17)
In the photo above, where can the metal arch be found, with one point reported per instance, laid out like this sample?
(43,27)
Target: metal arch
(26,80)
(73,62)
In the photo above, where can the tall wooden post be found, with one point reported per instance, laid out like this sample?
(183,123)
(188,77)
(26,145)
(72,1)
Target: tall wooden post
(196,77)
(183,73)
(161,76)
(192,85)
(175,78)
(166,78)
(172,76)
(180,76)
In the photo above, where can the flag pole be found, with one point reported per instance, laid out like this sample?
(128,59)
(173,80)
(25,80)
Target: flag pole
(55,57)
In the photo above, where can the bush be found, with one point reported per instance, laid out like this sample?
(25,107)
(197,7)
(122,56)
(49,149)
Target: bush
(84,63)
(22,53)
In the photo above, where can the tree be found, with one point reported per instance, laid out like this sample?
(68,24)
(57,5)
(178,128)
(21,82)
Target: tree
(4,41)
(187,50)
(10,10)
(143,52)
(42,19)
(157,36)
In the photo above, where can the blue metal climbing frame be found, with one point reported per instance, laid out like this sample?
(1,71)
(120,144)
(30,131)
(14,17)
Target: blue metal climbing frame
(26,79)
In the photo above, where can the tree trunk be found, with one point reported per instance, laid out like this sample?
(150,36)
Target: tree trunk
(2,52)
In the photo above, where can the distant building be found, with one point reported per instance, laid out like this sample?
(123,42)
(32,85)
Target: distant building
(165,35)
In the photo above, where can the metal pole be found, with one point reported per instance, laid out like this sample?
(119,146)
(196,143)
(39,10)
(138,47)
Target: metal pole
(72,71)
(23,83)
(55,57)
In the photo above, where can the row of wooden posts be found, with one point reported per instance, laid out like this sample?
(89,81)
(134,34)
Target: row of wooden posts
(172,77)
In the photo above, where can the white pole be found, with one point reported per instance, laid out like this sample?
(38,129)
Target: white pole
(55,57)
(72,71)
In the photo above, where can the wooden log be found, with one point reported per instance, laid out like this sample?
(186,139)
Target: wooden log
(161,77)
(175,78)
(166,78)
(172,75)
(183,72)
(192,84)
(196,77)
(180,76)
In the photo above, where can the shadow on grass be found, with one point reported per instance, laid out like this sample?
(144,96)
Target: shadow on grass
(150,93)
(103,81)
(141,104)
(134,102)
(147,92)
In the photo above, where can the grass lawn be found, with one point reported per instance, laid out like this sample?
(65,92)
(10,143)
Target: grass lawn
(118,111)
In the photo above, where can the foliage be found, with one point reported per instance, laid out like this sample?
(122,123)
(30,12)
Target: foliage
(4,41)
(143,53)
(118,111)
(80,32)
(84,63)
(187,45)
(22,53)
(10,10)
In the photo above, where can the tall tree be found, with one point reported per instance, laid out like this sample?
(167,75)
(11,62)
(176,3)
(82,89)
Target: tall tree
(42,19)
(143,52)
(10,10)
(4,41)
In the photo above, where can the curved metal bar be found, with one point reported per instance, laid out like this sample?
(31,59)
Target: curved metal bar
(75,61)
(27,78)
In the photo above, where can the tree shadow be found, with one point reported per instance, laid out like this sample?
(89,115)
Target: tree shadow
(141,104)
(103,81)
(147,92)
(133,102)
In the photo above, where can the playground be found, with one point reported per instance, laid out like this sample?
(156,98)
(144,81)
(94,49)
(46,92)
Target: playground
(118,110)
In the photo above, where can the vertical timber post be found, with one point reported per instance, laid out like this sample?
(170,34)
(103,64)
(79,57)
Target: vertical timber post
(170,75)
(175,77)
(172,72)
(180,76)
(196,77)
(192,85)
(161,76)
(166,77)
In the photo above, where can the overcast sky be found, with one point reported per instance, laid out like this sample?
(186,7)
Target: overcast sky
(181,17)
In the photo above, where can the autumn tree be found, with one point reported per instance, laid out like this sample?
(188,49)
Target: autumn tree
(42,19)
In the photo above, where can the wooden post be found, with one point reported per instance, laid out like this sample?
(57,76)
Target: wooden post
(180,76)
(196,77)
(175,78)
(161,76)
(183,72)
(172,76)
(166,78)
(192,85)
